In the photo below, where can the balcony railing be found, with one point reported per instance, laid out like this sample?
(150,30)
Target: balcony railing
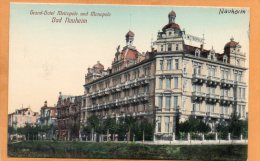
(224,116)
(226,83)
(213,81)
(198,96)
(212,98)
(213,115)
(239,83)
(226,100)
(198,78)
(198,113)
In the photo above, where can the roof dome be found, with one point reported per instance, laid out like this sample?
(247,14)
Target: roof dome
(98,65)
(171,25)
(130,34)
(231,44)
(172,13)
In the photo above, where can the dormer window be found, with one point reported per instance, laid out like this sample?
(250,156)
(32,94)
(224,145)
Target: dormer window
(170,33)
(224,59)
(211,55)
(197,52)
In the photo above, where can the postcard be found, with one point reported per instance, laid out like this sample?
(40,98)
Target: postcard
(107,81)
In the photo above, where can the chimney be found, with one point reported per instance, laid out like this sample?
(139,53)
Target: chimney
(45,103)
(201,47)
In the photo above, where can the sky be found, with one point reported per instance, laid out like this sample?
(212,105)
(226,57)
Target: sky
(46,58)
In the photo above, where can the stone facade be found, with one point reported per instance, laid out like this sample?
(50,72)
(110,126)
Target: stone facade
(48,117)
(173,79)
(21,117)
(68,117)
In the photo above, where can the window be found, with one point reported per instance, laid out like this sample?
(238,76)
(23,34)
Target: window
(160,102)
(176,63)
(208,108)
(167,124)
(197,52)
(159,119)
(169,64)
(168,83)
(161,47)
(161,64)
(169,47)
(226,110)
(168,103)
(238,62)
(175,82)
(175,102)
(239,76)
(222,74)
(160,83)
(239,93)
(177,47)
(243,111)
(222,109)
(243,93)
(224,59)
(146,89)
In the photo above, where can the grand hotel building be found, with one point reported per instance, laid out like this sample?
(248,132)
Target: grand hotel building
(173,79)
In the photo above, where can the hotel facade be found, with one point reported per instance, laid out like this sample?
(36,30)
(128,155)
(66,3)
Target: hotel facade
(173,80)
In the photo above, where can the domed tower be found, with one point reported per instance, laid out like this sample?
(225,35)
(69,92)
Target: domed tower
(170,38)
(129,37)
(232,50)
(172,16)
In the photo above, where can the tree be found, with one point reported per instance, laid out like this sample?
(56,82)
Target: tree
(194,125)
(237,126)
(110,126)
(11,130)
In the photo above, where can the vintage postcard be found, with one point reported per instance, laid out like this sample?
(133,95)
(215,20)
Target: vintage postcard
(128,82)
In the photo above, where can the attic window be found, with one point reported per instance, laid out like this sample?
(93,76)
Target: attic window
(170,33)
(197,52)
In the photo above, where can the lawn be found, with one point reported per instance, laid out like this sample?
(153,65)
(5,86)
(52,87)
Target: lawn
(58,149)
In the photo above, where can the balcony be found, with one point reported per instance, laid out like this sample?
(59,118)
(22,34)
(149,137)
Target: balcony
(126,85)
(118,87)
(239,83)
(225,83)
(213,81)
(226,100)
(198,96)
(212,98)
(198,113)
(198,78)
(134,83)
(113,89)
(142,96)
(107,91)
(240,99)
(94,95)
(212,115)
(100,93)
(224,116)
(144,80)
